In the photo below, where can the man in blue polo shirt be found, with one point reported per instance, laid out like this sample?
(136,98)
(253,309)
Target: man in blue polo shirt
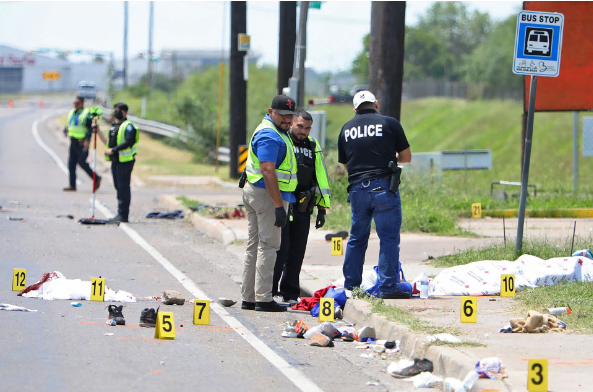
(271,178)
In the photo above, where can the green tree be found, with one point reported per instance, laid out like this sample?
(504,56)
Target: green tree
(425,55)
(360,65)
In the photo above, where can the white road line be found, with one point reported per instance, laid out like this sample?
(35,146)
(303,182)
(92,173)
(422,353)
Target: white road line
(297,377)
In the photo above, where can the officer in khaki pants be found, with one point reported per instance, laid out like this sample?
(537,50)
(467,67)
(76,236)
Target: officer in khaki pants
(271,178)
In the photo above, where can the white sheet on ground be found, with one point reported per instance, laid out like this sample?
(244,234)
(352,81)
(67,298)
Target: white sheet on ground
(58,287)
(483,277)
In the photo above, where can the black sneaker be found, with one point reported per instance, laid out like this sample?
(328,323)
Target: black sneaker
(115,313)
(148,318)
(396,295)
(248,305)
(118,219)
(271,306)
(342,234)
(419,366)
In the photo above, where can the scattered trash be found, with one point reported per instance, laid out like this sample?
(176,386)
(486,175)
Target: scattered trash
(111,322)
(15,203)
(76,304)
(454,385)
(15,308)
(408,368)
(65,216)
(491,367)
(423,281)
(583,253)
(172,297)
(295,329)
(108,334)
(491,299)
(425,380)
(226,302)
(177,214)
(443,337)
(116,317)
(365,333)
(367,356)
(378,348)
(321,340)
(372,383)
(10,218)
(535,322)
(557,311)
(162,363)
(389,344)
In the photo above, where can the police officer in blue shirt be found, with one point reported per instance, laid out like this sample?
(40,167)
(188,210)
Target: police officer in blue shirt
(366,146)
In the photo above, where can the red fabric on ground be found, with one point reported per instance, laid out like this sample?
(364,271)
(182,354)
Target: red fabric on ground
(309,303)
(45,278)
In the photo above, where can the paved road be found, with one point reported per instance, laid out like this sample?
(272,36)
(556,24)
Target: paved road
(62,347)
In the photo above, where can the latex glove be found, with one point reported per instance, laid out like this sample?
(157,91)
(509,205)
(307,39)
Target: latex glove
(320,220)
(280,217)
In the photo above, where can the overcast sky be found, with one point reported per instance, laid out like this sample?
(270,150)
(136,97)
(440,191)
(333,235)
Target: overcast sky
(334,33)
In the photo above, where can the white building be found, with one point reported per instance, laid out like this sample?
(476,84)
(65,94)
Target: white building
(21,72)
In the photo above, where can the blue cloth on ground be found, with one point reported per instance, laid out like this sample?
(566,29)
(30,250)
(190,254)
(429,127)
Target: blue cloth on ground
(339,296)
(401,286)
(177,214)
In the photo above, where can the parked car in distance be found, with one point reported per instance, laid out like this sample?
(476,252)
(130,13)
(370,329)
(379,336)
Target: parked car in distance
(87,90)
(338,95)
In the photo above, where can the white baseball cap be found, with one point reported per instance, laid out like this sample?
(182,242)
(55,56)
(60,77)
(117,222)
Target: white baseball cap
(363,96)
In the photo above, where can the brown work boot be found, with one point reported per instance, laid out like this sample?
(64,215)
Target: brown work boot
(97,183)
(70,189)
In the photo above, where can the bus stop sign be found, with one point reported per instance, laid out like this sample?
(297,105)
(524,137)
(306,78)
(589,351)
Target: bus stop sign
(538,43)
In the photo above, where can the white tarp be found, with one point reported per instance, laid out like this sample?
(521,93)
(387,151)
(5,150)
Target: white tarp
(483,277)
(58,287)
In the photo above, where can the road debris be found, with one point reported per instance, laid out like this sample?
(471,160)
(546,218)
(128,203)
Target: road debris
(65,216)
(15,308)
(226,302)
(408,367)
(443,337)
(321,340)
(172,297)
(491,367)
(454,385)
(173,215)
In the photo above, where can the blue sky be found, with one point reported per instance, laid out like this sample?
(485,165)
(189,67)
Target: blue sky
(335,31)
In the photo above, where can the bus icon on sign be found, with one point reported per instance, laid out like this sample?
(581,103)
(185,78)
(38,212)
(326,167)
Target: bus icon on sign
(538,42)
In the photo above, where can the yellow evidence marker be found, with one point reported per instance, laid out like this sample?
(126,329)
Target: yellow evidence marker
(476,210)
(19,279)
(507,285)
(201,312)
(337,246)
(98,289)
(537,375)
(469,309)
(165,326)
(326,310)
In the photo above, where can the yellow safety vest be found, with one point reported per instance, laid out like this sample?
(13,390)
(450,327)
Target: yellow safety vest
(127,154)
(286,172)
(77,123)
(322,193)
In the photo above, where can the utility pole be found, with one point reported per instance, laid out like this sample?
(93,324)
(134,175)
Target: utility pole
(149,71)
(238,85)
(391,69)
(375,47)
(125,44)
(286,42)
(301,54)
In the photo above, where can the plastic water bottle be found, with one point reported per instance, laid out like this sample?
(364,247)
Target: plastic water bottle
(423,286)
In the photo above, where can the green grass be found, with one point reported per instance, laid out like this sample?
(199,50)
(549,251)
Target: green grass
(541,248)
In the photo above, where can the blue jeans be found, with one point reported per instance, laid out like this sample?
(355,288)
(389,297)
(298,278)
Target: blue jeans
(367,203)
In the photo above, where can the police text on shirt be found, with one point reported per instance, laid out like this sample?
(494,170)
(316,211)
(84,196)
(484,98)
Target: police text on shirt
(368,130)
(305,151)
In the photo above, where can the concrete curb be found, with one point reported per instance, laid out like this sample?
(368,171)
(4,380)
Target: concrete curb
(214,228)
(448,361)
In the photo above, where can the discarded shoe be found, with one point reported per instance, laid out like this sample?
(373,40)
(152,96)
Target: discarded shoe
(148,318)
(321,340)
(396,295)
(115,313)
(419,366)
(365,333)
(69,189)
(271,306)
(247,305)
(390,344)
(172,297)
(342,234)
(226,302)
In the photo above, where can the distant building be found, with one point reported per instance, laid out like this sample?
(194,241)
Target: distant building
(22,72)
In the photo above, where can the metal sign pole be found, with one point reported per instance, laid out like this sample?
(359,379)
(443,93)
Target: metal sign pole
(525,174)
